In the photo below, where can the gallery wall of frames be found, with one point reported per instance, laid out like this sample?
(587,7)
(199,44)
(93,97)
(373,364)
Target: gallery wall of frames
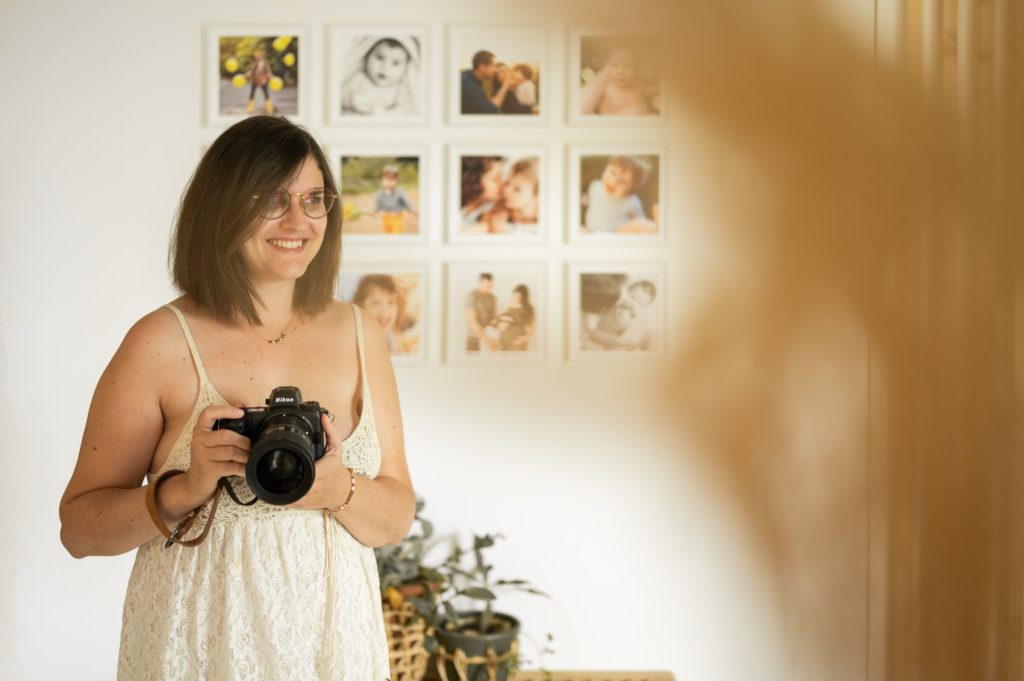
(516,245)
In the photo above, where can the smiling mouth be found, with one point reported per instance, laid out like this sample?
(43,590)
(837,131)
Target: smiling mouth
(290,245)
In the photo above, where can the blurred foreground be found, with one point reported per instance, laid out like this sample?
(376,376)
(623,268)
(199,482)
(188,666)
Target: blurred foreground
(856,371)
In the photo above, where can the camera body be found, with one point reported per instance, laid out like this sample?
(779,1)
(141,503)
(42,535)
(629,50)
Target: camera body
(287,439)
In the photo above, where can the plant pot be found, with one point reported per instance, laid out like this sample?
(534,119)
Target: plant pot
(478,645)
(405,633)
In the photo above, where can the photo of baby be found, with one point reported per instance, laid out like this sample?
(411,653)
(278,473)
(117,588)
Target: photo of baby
(380,195)
(618,76)
(619,311)
(494,311)
(498,71)
(390,298)
(498,195)
(376,74)
(256,74)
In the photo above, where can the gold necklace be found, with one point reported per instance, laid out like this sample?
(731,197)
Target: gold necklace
(275,341)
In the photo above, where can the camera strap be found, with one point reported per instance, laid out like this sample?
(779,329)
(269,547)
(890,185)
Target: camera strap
(182,528)
(226,486)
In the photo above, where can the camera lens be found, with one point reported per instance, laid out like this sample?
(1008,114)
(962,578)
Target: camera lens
(280,469)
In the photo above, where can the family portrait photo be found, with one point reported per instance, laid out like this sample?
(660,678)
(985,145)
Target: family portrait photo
(498,73)
(617,77)
(496,193)
(495,312)
(253,73)
(616,311)
(391,297)
(618,194)
(381,193)
(376,75)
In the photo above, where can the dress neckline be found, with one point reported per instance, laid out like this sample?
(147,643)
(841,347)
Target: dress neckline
(205,379)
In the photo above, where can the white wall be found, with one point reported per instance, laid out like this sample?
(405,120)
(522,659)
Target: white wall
(102,116)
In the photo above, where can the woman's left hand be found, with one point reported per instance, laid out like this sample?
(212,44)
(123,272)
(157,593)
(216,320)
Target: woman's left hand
(332,482)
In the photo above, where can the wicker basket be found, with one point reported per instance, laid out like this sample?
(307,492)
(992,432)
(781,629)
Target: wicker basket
(407,655)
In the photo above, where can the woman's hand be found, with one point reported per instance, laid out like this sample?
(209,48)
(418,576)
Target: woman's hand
(215,453)
(332,482)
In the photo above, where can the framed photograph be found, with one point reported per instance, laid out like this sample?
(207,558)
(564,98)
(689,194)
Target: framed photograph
(497,75)
(496,312)
(617,311)
(496,194)
(383,193)
(615,79)
(376,74)
(255,70)
(616,194)
(392,296)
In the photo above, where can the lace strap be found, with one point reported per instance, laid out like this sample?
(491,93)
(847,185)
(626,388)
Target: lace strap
(191,343)
(362,356)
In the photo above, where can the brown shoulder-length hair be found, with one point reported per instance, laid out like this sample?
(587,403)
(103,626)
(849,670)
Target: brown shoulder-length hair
(217,214)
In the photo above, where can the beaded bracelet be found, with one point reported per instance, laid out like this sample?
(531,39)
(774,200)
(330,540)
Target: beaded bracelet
(351,492)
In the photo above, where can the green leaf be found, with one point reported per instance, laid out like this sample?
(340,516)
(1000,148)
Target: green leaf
(422,606)
(478,593)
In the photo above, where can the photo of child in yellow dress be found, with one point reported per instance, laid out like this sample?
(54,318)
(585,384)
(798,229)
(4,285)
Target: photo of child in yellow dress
(258,74)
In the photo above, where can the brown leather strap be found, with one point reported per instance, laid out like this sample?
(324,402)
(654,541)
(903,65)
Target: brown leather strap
(185,525)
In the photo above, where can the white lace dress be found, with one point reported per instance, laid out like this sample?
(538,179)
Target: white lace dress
(271,594)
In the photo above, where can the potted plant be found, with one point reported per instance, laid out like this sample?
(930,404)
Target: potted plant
(405,581)
(479,644)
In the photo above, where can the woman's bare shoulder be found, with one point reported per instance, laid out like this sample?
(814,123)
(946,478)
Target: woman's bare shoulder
(336,314)
(155,340)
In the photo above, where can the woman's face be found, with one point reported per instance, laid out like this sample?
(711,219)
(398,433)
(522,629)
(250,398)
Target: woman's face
(282,248)
(382,305)
(490,182)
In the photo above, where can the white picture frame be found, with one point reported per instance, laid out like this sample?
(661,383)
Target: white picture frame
(511,45)
(355,95)
(404,317)
(608,319)
(587,225)
(379,230)
(226,101)
(512,339)
(589,48)
(504,217)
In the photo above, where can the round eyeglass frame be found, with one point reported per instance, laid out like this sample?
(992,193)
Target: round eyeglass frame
(282,208)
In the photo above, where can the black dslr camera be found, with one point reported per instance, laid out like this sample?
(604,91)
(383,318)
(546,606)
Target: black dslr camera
(287,438)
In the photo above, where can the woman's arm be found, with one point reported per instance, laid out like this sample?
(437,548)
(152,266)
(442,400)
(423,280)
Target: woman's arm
(382,509)
(103,510)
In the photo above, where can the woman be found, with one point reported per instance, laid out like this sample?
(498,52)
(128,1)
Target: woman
(517,323)
(483,179)
(272,591)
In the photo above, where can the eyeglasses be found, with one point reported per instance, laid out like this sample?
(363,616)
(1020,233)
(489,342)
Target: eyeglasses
(315,202)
